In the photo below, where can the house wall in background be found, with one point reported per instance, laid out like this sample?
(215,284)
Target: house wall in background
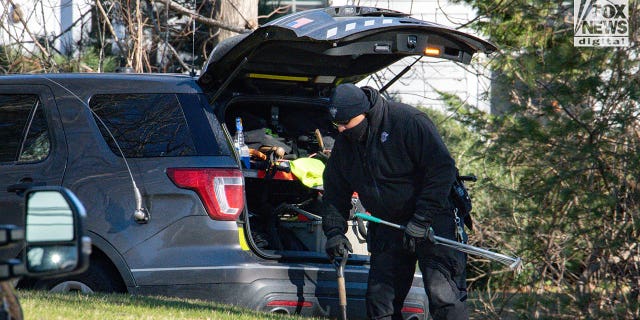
(44,19)
(418,87)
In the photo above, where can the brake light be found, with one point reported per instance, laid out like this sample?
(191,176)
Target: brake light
(413,310)
(289,303)
(221,190)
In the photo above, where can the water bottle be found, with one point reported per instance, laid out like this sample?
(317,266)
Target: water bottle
(241,147)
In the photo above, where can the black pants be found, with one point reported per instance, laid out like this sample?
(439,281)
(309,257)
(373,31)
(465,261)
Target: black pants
(392,270)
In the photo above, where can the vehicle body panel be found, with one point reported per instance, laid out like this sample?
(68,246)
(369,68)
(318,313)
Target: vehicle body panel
(256,284)
(46,172)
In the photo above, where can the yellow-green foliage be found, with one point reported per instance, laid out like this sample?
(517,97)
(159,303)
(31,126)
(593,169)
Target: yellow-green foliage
(14,60)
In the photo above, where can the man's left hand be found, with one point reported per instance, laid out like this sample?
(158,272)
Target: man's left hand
(415,232)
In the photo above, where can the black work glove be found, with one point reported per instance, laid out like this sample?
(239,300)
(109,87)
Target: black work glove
(337,245)
(415,232)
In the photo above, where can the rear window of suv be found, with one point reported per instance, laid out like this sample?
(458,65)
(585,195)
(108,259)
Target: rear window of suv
(154,125)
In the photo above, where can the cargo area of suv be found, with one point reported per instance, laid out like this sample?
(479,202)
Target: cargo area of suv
(283,212)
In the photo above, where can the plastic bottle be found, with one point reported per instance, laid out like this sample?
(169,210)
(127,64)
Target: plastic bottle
(241,147)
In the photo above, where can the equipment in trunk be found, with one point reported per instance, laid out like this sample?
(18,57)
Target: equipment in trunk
(283,211)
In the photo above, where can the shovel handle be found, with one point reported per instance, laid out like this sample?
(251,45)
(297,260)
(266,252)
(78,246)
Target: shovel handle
(339,263)
(342,290)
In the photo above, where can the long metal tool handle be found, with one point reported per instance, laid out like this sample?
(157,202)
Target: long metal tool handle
(514,263)
(342,290)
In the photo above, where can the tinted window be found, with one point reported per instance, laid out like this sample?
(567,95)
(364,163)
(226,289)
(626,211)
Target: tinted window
(37,144)
(204,125)
(20,116)
(144,125)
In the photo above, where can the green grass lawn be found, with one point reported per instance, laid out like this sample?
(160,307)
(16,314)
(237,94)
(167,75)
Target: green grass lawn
(49,306)
(73,306)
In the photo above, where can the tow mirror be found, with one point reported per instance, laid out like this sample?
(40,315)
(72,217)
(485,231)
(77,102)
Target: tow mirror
(55,233)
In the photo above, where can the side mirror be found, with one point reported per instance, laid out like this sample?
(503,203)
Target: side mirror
(55,233)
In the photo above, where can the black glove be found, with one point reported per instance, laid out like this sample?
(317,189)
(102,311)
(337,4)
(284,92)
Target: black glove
(415,232)
(337,245)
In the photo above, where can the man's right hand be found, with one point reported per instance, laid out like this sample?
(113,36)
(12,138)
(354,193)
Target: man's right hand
(337,245)
(416,232)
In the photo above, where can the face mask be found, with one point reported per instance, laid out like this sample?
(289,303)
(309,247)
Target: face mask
(357,133)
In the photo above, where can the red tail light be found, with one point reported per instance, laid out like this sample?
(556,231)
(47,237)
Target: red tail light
(289,303)
(413,310)
(221,190)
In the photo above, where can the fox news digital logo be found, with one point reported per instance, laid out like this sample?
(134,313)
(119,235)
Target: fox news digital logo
(601,23)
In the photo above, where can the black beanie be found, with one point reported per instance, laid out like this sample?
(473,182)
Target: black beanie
(348,101)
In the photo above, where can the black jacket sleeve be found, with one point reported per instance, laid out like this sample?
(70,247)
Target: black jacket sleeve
(336,199)
(434,165)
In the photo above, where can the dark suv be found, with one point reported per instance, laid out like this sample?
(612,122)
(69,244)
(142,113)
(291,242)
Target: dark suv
(171,209)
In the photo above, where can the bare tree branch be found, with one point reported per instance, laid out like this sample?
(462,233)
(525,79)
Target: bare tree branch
(202,19)
(121,44)
(33,37)
(176,55)
(139,44)
(250,24)
(68,29)
(278,10)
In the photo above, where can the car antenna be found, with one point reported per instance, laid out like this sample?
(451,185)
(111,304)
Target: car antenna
(141,215)
(193,42)
(405,70)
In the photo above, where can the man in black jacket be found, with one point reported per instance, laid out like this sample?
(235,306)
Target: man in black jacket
(392,155)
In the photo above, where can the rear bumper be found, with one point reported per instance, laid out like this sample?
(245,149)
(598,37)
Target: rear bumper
(309,290)
(201,258)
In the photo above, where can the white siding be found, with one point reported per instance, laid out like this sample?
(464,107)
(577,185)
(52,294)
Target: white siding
(44,18)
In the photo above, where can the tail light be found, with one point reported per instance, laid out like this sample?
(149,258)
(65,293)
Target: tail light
(221,190)
(289,303)
(412,310)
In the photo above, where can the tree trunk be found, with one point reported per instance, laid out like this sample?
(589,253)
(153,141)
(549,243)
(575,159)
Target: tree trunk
(235,13)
